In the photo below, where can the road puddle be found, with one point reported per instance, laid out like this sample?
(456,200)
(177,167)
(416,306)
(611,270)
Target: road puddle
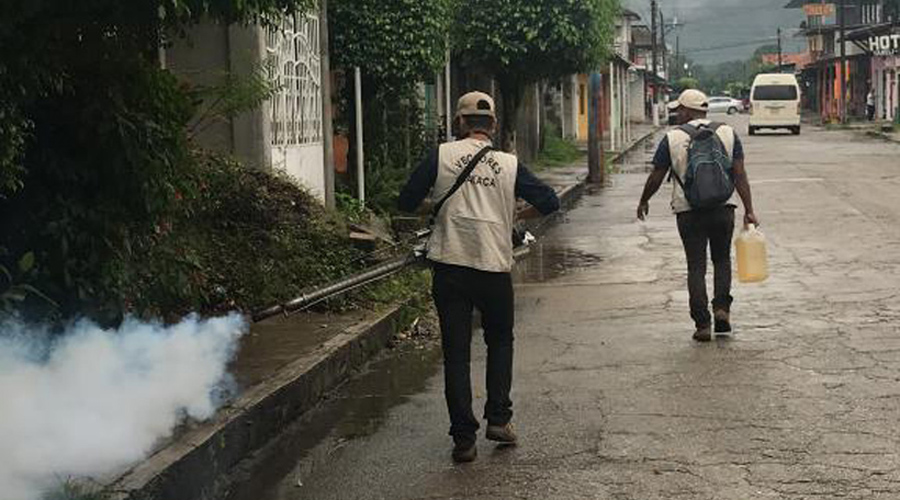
(354,411)
(548,261)
(640,159)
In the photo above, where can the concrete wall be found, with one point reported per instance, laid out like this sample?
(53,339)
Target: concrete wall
(202,58)
(638,96)
(205,57)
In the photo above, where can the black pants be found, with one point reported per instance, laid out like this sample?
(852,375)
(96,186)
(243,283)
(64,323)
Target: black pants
(457,291)
(699,229)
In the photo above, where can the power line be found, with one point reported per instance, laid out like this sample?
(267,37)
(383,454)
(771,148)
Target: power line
(731,46)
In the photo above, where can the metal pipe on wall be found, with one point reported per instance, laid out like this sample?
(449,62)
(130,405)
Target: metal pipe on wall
(360,144)
(448,96)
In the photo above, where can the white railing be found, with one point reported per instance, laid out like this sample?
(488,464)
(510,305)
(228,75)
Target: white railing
(292,47)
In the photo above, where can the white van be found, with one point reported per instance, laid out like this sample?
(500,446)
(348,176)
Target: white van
(775,103)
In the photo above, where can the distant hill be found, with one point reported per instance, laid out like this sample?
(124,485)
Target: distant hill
(721,24)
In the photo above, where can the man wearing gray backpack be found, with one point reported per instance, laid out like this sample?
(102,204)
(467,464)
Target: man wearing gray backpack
(705,161)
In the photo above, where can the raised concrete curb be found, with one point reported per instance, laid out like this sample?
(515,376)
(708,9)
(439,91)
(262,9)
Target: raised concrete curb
(883,136)
(193,467)
(571,194)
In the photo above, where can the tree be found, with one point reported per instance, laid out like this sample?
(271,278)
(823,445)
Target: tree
(397,44)
(526,41)
(42,42)
(93,141)
(686,82)
(765,50)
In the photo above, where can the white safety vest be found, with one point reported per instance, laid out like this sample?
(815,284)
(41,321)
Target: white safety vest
(475,225)
(679,141)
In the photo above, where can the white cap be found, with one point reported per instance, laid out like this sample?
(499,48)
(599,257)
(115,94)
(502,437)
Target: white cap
(475,104)
(691,99)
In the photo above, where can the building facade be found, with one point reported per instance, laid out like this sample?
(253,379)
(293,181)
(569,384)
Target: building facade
(625,90)
(871,46)
(286,132)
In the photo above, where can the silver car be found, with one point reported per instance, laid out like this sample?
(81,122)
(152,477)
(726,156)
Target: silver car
(725,105)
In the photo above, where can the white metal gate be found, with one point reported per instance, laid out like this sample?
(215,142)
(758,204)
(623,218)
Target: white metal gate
(295,112)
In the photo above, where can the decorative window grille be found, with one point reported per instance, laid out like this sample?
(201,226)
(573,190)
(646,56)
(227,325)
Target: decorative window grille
(292,48)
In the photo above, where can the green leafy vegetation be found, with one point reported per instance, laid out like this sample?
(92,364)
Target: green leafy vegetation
(247,240)
(114,208)
(396,44)
(525,41)
(733,77)
(557,151)
(102,187)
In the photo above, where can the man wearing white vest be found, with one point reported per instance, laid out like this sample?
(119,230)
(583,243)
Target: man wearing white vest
(704,227)
(471,252)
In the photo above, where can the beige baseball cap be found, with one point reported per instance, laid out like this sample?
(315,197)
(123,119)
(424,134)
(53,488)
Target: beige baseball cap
(476,104)
(691,99)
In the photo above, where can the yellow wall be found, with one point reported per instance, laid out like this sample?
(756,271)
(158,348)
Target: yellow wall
(582,107)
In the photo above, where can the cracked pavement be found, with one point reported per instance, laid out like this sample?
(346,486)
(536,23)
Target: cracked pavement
(612,398)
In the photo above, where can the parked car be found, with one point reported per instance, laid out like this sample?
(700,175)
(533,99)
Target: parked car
(725,105)
(775,103)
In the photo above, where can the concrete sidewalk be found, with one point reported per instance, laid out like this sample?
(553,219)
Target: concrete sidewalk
(564,179)
(873,129)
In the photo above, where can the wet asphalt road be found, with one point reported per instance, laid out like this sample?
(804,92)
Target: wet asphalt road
(614,401)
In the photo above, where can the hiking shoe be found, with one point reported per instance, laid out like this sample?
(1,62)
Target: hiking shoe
(703,334)
(501,434)
(464,452)
(723,321)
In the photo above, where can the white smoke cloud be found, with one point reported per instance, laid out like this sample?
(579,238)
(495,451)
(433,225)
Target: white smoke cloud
(94,400)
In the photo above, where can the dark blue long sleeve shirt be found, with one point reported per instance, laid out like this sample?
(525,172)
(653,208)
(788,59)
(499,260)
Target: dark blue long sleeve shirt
(528,187)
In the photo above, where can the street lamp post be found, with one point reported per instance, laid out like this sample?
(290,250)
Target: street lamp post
(843,84)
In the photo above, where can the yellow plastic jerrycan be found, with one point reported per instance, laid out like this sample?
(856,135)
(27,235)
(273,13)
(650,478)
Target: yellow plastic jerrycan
(752,257)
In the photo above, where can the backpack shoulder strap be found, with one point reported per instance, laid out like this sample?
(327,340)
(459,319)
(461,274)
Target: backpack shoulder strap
(460,180)
(691,130)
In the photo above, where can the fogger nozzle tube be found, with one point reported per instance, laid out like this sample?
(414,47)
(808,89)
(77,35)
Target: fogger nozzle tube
(340,287)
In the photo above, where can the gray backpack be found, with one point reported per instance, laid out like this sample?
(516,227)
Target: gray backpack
(709,179)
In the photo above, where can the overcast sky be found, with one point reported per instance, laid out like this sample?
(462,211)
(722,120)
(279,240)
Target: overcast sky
(721,23)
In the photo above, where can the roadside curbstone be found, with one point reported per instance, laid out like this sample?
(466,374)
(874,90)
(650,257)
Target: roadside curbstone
(196,465)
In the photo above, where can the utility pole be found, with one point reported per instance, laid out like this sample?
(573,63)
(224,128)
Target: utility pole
(665,49)
(677,56)
(780,62)
(843,22)
(596,160)
(327,126)
(654,36)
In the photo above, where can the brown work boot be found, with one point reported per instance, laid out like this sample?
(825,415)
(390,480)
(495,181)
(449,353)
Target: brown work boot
(464,451)
(703,334)
(723,321)
(504,434)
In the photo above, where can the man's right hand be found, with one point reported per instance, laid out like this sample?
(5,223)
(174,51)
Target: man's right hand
(642,210)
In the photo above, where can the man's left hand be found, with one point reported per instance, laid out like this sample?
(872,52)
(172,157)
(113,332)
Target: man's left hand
(750,218)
